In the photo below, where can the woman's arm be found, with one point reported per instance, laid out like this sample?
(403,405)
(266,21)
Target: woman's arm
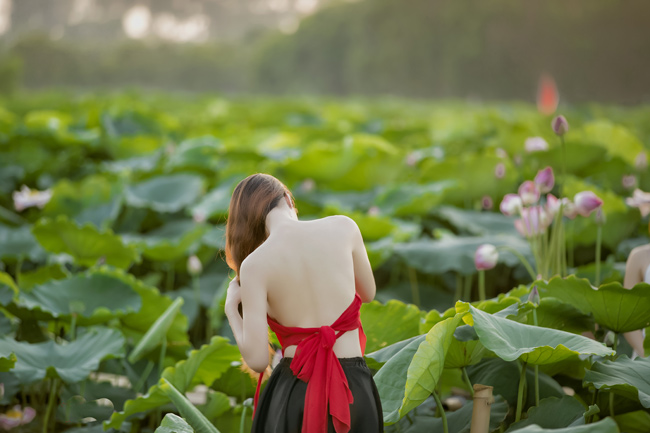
(632,278)
(364,279)
(251,331)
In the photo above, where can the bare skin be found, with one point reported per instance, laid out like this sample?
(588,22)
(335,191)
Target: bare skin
(305,274)
(635,269)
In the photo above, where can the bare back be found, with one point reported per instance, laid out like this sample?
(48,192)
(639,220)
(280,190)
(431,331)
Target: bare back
(309,273)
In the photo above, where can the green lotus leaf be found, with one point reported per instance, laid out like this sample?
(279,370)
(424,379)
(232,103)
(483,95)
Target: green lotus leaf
(385,324)
(134,146)
(204,365)
(7,362)
(157,333)
(456,253)
(154,304)
(427,366)
(458,421)
(612,305)
(626,377)
(200,153)
(194,417)
(41,275)
(557,314)
(95,297)
(606,425)
(406,200)
(633,422)
(379,251)
(475,222)
(553,413)
(511,340)
(617,139)
(19,242)
(216,202)
(218,404)
(344,200)
(165,193)
(380,357)
(464,353)
(215,237)
(169,242)
(86,244)
(71,362)
(499,374)
(174,424)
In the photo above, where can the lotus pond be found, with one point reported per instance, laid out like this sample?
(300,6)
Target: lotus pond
(487,231)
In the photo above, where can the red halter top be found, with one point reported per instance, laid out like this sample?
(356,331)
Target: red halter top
(316,364)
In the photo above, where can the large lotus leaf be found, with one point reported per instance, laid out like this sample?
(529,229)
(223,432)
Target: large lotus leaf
(154,304)
(173,424)
(621,219)
(374,227)
(169,242)
(41,275)
(499,374)
(204,365)
(457,422)
(215,237)
(128,147)
(86,244)
(144,163)
(578,157)
(194,417)
(389,323)
(456,253)
(196,153)
(322,162)
(557,314)
(95,199)
(71,362)
(157,333)
(380,357)
(412,199)
(633,422)
(426,367)
(511,340)
(379,251)
(165,193)
(465,353)
(95,297)
(617,139)
(342,200)
(612,305)
(216,202)
(17,242)
(627,377)
(606,425)
(553,413)
(475,222)
(7,362)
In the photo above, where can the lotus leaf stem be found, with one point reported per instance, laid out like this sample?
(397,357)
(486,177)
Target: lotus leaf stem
(563,184)
(537,366)
(520,392)
(467,290)
(415,291)
(521,258)
(145,374)
(19,266)
(599,241)
(481,285)
(459,287)
(443,416)
(163,351)
(54,385)
(242,420)
(467,381)
(169,286)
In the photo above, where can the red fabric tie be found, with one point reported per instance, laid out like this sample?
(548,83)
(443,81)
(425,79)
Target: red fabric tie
(316,363)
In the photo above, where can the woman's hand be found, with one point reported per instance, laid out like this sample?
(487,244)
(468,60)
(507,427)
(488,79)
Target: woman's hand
(233,296)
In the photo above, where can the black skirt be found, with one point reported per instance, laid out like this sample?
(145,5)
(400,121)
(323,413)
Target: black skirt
(281,404)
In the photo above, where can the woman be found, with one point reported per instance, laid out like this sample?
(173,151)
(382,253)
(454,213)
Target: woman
(637,270)
(307,280)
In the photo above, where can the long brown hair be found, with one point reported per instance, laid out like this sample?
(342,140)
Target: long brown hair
(251,201)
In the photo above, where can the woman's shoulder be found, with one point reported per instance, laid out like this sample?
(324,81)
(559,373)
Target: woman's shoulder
(342,221)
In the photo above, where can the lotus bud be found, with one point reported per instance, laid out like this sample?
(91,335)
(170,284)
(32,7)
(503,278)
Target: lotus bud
(560,125)
(501,153)
(500,171)
(511,205)
(16,417)
(545,180)
(534,221)
(641,161)
(552,205)
(600,217)
(587,202)
(535,144)
(628,181)
(194,266)
(373,211)
(610,338)
(486,257)
(640,200)
(529,192)
(486,202)
(199,216)
(248,402)
(570,209)
(533,296)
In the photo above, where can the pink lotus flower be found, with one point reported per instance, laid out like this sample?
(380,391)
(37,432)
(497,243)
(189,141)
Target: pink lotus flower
(570,209)
(533,296)
(587,202)
(552,205)
(16,416)
(499,171)
(535,144)
(27,197)
(641,200)
(600,217)
(545,180)
(641,161)
(486,202)
(529,192)
(560,125)
(486,257)
(534,221)
(511,205)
